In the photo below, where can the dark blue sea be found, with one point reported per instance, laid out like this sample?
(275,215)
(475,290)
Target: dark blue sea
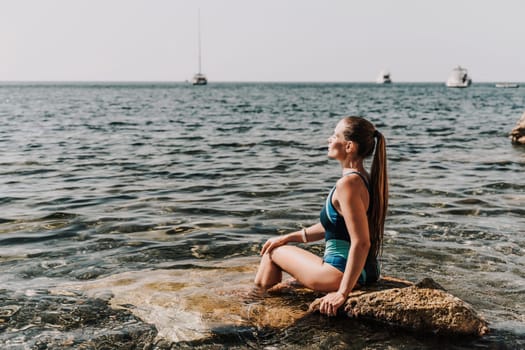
(154,197)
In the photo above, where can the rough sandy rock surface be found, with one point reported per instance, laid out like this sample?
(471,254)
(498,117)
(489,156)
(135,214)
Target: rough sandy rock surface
(421,307)
(517,135)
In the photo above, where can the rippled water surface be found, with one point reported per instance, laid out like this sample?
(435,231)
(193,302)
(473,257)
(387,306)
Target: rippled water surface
(109,185)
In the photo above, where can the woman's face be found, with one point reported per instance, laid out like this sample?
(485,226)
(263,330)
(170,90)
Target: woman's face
(337,145)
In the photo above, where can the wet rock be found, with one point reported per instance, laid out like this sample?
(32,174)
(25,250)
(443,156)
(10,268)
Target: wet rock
(45,321)
(162,309)
(421,307)
(517,135)
(429,283)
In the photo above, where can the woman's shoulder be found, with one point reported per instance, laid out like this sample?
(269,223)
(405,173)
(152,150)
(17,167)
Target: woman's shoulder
(353,177)
(353,181)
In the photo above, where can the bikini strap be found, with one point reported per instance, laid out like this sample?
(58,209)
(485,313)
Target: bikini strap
(361,176)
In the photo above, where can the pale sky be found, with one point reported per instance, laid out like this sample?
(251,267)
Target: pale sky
(267,40)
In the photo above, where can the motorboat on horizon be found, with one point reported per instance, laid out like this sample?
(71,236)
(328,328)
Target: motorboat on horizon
(507,85)
(459,78)
(384,78)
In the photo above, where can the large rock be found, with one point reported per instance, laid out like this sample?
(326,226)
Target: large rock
(517,135)
(192,305)
(423,307)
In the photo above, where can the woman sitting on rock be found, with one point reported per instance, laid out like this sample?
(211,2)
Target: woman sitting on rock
(351,222)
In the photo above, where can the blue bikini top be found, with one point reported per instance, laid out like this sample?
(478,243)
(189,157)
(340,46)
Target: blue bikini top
(333,222)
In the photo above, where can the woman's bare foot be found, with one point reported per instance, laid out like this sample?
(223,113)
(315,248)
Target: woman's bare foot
(288,286)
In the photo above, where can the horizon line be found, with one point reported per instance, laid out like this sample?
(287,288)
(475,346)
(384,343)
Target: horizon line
(239,82)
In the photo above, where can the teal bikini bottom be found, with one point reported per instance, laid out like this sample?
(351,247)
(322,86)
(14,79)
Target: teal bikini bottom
(370,273)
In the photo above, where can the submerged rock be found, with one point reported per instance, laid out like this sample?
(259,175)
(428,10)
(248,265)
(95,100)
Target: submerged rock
(190,305)
(195,306)
(517,135)
(422,307)
(45,321)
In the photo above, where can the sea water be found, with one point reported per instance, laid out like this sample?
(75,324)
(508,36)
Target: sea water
(155,185)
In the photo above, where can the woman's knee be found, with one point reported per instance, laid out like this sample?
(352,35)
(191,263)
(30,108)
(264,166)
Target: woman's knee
(266,261)
(278,253)
(278,257)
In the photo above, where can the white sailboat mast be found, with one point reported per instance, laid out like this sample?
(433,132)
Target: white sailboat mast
(199,78)
(199,33)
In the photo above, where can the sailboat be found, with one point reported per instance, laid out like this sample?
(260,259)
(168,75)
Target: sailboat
(199,78)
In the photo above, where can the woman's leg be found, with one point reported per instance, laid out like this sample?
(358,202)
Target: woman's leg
(305,267)
(268,273)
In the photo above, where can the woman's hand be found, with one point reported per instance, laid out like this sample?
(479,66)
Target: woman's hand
(331,302)
(273,243)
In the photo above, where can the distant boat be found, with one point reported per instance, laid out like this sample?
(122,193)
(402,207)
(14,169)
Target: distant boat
(199,78)
(384,78)
(459,78)
(507,85)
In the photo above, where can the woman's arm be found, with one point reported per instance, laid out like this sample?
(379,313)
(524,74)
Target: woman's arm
(351,195)
(312,234)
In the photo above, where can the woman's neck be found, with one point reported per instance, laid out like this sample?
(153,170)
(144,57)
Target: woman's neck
(352,165)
